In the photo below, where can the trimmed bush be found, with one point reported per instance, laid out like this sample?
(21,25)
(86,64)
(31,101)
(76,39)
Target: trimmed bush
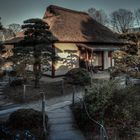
(78,76)
(117,108)
(16,82)
(26,118)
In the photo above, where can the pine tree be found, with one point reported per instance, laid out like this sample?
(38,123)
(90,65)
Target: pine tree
(128,57)
(35,48)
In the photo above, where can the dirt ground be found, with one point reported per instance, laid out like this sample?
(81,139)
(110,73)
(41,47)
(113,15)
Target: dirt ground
(51,88)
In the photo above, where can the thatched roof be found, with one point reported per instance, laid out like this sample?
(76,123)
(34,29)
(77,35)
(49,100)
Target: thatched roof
(73,26)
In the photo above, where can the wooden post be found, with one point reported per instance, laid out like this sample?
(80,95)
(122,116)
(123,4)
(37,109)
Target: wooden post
(73,95)
(53,62)
(101,134)
(91,57)
(91,69)
(24,92)
(63,89)
(9,79)
(86,60)
(102,60)
(43,114)
(85,93)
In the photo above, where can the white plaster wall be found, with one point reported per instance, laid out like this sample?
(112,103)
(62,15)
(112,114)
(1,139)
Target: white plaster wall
(63,66)
(107,60)
(113,62)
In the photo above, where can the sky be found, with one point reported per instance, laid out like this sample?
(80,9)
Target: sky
(16,11)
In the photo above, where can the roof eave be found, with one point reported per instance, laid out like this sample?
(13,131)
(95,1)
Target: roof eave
(94,42)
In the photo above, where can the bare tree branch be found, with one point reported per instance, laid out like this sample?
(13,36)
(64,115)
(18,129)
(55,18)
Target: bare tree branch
(137,16)
(122,20)
(99,15)
(15,27)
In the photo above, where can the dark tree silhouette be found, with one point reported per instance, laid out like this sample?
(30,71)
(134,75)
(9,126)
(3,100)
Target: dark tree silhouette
(35,47)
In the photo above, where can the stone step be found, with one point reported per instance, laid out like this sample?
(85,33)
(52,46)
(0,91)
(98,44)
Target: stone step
(3,83)
(6,106)
(2,97)
(63,127)
(3,86)
(1,89)
(2,102)
(55,114)
(61,121)
(69,134)
(58,105)
(6,111)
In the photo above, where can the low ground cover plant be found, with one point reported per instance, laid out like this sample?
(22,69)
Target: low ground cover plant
(112,106)
(23,124)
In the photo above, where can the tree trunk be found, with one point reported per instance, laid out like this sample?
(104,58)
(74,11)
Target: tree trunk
(73,95)
(37,66)
(37,71)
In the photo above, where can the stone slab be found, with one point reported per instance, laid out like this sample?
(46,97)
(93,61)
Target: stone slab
(67,135)
(62,127)
(61,120)
(63,114)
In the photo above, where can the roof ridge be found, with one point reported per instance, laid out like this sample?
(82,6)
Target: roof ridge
(51,7)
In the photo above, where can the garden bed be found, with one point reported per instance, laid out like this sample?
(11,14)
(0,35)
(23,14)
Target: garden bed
(91,131)
(51,89)
(23,124)
(117,109)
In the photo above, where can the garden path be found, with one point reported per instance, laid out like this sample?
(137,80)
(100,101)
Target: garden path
(62,125)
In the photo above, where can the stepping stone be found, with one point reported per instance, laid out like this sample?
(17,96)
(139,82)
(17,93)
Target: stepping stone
(62,127)
(2,103)
(1,93)
(58,106)
(61,121)
(54,115)
(3,83)
(9,110)
(2,97)
(6,105)
(67,135)
(9,104)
